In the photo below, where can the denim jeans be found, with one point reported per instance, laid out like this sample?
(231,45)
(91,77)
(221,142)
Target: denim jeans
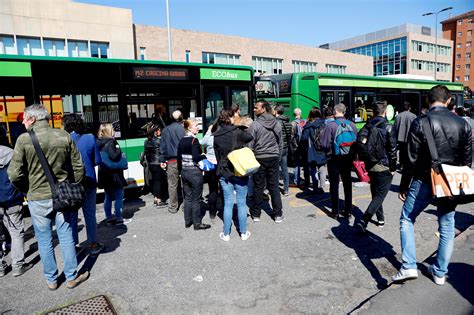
(89,212)
(284,169)
(267,175)
(380,183)
(43,218)
(239,185)
(117,195)
(192,188)
(15,226)
(418,198)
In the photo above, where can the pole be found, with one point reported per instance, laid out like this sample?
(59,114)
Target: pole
(169,30)
(436,46)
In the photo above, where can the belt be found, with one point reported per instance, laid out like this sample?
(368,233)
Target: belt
(172,161)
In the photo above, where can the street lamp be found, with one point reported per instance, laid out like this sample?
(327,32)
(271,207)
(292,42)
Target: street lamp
(169,30)
(436,36)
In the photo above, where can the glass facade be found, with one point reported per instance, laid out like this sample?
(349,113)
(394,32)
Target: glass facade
(77,48)
(223,59)
(337,69)
(304,66)
(29,46)
(267,65)
(390,57)
(99,50)
(54,47)
(7,45)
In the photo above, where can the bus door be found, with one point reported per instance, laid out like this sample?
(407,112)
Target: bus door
(11,116)
(333,97)
(413,98)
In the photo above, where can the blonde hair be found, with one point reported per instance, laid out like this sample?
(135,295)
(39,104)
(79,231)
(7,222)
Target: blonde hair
(106,131)
(188,123)
(245,121)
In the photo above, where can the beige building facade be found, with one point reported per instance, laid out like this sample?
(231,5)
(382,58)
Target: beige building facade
(65,28)
(266,57)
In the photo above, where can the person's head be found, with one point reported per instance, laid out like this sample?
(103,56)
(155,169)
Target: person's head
(34,113)
(133,116)
(235,108)
(74,122)
(379,108)
(328,111)
(339,110)
(191,126)
(262,107)
(177,116)
(358,103)
(460,111)
(153,131)
(279,110)
(297,113)
(106,131)
(246,121)
(406,106)
(439,95)
(226,117)
(314,114)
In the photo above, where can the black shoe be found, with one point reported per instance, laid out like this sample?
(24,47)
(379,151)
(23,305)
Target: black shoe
(187,225)
(361,227)
(202,226)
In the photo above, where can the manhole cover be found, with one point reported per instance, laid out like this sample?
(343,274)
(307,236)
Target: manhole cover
(96,305)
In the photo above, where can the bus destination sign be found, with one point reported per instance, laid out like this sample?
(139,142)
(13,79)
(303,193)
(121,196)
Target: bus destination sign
(154,73)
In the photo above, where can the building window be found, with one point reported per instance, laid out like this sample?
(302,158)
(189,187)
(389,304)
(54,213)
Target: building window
(457,78)
(458,67)
(470,21)
(468,44)
(99,50)
(188,55)
(424,65)
(7,45)
(459,34)
(459,22)
(304,66)
(335,69)
(29,46)
(469,33)
(223,59)
(267,65)
(54,47)
(468,56)
(459,45)
(466,78)
(468,66)
(458,56)
(142,53)
(77,48)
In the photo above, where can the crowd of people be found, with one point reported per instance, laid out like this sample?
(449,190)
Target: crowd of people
(178,164)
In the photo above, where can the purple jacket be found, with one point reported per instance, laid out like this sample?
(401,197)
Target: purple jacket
(327,137)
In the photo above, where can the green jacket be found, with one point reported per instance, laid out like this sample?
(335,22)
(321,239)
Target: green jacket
(25,171)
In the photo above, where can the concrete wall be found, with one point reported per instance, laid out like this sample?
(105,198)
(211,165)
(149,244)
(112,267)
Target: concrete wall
(64,19)
(155,40)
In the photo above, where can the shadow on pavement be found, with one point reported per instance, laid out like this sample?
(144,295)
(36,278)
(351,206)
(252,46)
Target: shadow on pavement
(462,220)
(461,277)
(368,247)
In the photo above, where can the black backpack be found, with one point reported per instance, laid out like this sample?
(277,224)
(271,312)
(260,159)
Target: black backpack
(371,143)
(315,136)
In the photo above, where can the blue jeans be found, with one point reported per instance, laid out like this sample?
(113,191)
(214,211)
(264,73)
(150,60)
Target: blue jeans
(284,169)
(43,217)
(418,198)
(239,185)
(111,194)
(89,211)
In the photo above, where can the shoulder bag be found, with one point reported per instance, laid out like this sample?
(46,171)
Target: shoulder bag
(67,196)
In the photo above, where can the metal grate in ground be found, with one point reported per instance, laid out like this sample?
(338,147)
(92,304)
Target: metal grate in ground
(96,305)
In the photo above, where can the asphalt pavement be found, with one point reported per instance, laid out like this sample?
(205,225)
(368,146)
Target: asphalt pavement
(308,264)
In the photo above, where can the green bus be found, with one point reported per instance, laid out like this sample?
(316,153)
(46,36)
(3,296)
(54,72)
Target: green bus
(127,93)
(310,89)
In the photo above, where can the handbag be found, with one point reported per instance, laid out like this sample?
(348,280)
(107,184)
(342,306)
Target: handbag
(243,160)
(206,165)
(448,182)
(108,163)
(67,196)
(362,173)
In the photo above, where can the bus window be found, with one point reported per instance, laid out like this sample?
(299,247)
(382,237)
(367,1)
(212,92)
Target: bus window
(413,98)
(214,102)
(109,111)
(327,98)
(82,105)
(54,105)
(363,105)
(139,115)
(240,96)
(344,97)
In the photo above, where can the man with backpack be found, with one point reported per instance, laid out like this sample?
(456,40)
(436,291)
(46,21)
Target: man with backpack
(287,137)
(377,147)
(337,139)
(267,146)
(299,150)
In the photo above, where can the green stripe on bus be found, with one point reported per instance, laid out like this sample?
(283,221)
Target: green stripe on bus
(15,69)
(224,74)
(383,84)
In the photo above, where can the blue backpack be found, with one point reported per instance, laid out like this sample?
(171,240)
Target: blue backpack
(344,138)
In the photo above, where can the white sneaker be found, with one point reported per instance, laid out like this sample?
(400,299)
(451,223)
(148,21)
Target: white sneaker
(245,236)
(225,238)
(405,274)
(436,279)
(279,219)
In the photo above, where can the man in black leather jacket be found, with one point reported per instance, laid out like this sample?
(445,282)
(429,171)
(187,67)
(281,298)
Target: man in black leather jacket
(452,136)
(381,173)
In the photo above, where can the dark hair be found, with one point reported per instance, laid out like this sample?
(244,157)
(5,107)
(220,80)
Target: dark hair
(438,93)
(327,111)
(234,108)
(314,113)
(379,107)
(279,109)
(266,105)
(460,111)
(406,106)
(74,122)
(224,117)
(151,131)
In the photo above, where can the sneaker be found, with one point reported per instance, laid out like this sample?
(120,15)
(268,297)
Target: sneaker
(361,227)
(436,279)
(286,194)
(122,221)
(245,236)
(51,286)
(110,222)
(405,274)
(95,248)
(225,238)
(18,271)
(161,204)
(380,223)
(279,219)
(3,268)
(256,219)
(79,279)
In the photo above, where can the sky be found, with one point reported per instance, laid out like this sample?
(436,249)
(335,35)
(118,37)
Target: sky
(303,22)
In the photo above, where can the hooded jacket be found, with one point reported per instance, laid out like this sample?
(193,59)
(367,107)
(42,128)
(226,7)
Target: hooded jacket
(267,137)
(224,144)
(9,195)
(287,129)
(110,178)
